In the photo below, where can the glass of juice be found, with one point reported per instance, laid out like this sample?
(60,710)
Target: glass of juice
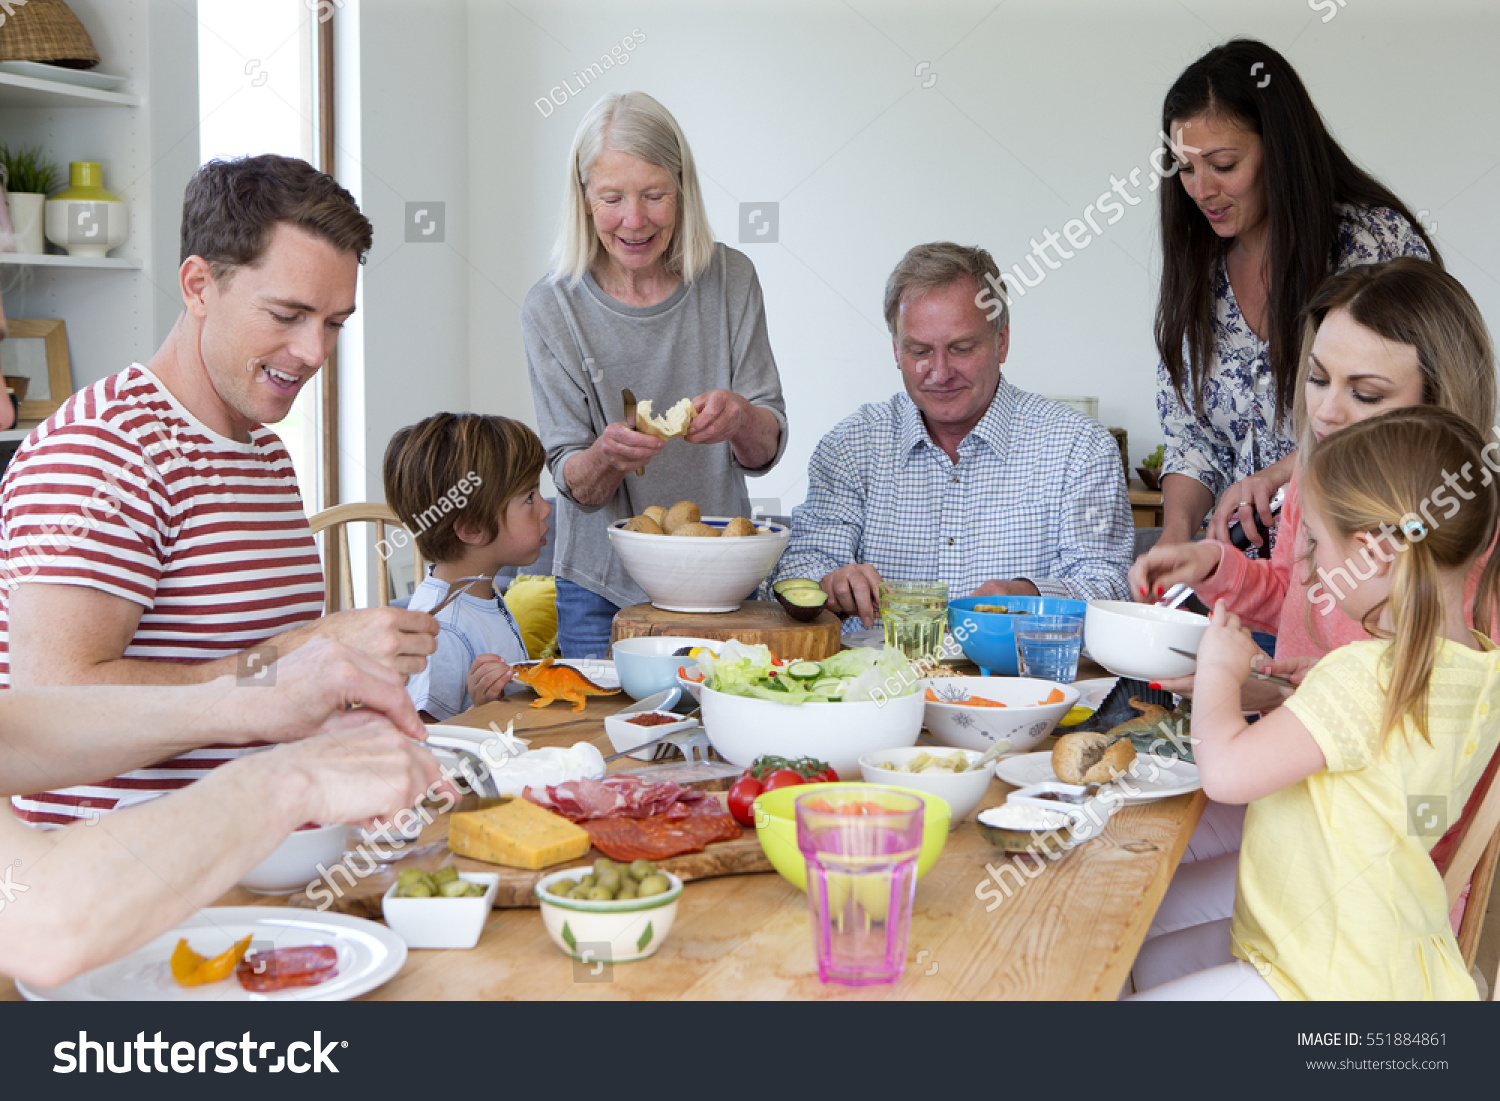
(914,616)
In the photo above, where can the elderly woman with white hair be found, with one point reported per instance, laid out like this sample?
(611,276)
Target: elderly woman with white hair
(641,297)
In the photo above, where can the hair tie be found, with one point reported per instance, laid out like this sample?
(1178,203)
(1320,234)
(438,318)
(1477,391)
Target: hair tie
(1413,528)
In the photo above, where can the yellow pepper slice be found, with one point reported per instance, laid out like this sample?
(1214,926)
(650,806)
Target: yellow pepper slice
(191,969)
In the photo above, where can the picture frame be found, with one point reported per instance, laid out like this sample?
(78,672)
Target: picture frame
(45,366)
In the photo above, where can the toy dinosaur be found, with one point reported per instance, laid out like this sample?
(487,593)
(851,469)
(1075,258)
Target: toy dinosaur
(559,682)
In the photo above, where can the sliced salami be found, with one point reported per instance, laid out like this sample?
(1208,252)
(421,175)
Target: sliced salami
(279,968)
(659,836)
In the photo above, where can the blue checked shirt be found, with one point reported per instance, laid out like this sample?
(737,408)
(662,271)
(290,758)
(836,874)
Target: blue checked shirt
(1038,492)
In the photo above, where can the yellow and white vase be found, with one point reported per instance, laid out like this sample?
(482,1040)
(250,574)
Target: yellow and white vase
(85,219)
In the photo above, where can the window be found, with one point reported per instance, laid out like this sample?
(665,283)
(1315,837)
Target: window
(257,93)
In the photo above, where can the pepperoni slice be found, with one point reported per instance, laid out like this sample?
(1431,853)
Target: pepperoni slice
(280,968)
(659,836)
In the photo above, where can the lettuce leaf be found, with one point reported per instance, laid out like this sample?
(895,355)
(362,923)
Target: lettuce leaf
(862,675)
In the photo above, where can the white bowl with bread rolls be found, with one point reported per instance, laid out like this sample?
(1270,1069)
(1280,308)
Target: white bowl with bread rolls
(1026,717)
(696,563)
(1137,640)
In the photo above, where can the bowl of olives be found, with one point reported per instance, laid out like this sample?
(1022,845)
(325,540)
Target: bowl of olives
(610,913)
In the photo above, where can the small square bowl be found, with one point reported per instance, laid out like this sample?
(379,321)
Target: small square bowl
(441,922)
(624,734)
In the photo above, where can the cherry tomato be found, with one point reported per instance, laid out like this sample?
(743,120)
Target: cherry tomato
(828,776)
(741,799)
(784,778)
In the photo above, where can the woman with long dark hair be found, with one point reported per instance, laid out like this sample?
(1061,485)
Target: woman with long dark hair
(1269,207)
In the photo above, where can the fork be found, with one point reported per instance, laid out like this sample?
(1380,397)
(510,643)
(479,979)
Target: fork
(457,589)
(1270,678)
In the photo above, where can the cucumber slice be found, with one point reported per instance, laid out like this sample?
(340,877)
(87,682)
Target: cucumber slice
(804,670)
(833,688)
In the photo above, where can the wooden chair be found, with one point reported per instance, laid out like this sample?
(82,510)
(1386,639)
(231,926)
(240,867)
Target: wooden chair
(1475,856)
(338,581)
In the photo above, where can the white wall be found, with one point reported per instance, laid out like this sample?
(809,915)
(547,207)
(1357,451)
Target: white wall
(817,105)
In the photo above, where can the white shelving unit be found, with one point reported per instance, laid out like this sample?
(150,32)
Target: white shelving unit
(26,91)
(50,260)
(144,134)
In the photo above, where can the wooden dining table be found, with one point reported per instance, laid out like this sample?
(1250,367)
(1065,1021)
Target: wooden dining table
(1067,929)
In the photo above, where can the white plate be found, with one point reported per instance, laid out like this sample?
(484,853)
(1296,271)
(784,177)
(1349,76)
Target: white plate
(1154,778)
(81,78)
(599,670)
(369,954)
(1094,691)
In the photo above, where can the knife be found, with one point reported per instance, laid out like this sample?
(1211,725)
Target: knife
(629,400)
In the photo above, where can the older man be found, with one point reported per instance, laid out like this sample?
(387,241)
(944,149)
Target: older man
(963,478)
(151,531)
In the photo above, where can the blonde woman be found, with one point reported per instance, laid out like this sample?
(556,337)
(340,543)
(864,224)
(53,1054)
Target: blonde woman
(641,297)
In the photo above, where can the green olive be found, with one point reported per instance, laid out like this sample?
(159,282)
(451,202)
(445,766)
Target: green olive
(604,864)
(657,884)
(587,883)
(640,869)
(627,891)
(611,879)
(601,894)
(562,888)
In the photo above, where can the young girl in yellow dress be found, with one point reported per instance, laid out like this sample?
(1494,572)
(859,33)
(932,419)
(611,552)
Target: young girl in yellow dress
(1351,781)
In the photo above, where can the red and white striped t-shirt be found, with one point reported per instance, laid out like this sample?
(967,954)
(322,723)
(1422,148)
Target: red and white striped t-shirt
(123,490)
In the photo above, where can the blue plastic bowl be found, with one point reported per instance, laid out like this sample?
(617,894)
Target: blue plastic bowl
(989,638)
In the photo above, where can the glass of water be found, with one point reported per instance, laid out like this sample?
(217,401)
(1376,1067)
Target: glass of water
(914,616)
(1047,646)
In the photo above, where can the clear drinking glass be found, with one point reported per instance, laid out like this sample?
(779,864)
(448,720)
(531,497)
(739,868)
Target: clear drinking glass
(1047,646)
(861,845)
(914,616)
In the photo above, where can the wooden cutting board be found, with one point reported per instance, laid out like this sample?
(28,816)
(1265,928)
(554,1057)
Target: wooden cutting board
(742,856)
(755,622)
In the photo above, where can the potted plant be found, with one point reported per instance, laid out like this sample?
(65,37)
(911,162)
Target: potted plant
(1150,468)
(27,177)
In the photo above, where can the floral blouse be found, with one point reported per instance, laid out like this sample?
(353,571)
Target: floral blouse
(1235,433)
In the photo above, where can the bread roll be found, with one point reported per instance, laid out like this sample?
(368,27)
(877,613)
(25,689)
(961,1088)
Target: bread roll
(656,514)
(643,524)
(696,528)
(1089,758)
(740,525)
(673,423)
(683,512)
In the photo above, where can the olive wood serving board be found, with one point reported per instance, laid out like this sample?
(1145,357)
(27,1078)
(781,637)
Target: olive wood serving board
(755,621)
(742,856)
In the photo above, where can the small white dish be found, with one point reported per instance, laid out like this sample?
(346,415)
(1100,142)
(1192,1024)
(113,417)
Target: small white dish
(1089,813)
(441,922)
(625,735)
(607,932)
(963,790)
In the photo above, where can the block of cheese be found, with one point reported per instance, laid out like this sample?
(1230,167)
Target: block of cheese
(518,834)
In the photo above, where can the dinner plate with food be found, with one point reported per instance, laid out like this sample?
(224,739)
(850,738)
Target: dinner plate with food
(1111,761)
(241,954)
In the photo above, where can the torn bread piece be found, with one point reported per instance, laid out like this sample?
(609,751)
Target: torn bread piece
(673,423)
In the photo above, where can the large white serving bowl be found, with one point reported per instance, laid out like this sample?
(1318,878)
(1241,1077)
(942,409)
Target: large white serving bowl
(1136,640)
(294,863)
(962,790)
(1023,719)
(699,574)
(742,728)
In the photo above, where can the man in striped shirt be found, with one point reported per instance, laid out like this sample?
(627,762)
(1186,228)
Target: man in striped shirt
(151,530)
(964,478)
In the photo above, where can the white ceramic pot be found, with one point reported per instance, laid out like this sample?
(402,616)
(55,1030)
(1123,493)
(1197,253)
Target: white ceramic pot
(697,574)
(87,227)
(26,212)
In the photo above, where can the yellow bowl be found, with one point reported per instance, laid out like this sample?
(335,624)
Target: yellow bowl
(776,827)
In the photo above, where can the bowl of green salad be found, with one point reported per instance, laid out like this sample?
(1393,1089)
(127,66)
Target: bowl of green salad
(835,710)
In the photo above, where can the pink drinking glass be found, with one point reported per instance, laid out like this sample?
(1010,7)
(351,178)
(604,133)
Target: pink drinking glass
(861,845)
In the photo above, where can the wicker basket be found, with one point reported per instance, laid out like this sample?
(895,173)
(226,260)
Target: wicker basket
(46,30)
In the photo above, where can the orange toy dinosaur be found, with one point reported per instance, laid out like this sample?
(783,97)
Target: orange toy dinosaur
(559,682)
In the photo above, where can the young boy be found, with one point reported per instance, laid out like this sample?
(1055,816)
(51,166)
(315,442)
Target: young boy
(466,487)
